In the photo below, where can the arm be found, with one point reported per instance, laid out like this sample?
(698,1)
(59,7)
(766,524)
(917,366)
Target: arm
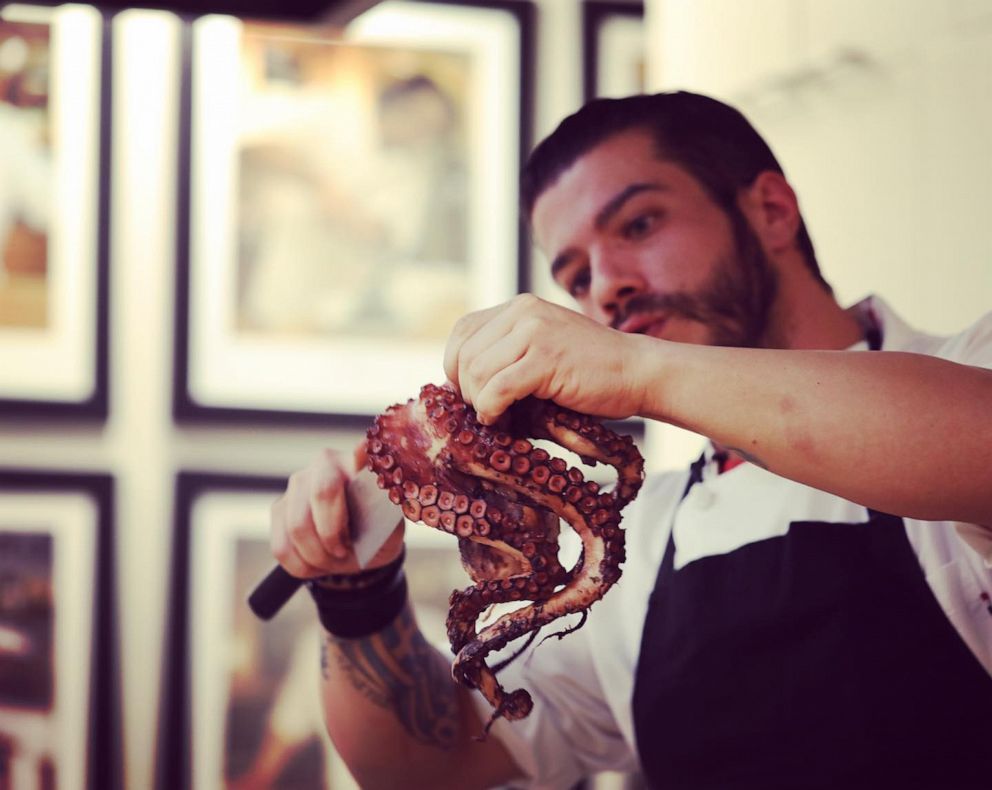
(391,708)
(397,718)
(898,432)
(902,433)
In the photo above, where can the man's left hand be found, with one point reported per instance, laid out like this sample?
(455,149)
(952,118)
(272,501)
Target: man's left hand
(528,346)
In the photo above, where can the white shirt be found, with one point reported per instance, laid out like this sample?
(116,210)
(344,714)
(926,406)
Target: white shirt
(582,685)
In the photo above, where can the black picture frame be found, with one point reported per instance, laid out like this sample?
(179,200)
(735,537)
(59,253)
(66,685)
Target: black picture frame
(53,520)
(294,396)
(59,368)
(174,758)
(334,11)
(596,16)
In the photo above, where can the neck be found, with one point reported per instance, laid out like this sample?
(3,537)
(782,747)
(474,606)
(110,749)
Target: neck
(806,315)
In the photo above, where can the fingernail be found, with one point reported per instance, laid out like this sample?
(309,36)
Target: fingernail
(341,553)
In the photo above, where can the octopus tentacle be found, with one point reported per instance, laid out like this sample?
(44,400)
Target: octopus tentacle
(505,662)
(466,605)
(503,498)
(566,631)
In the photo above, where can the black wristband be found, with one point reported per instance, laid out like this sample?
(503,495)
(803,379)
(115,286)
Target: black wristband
(368,581)
(356,613)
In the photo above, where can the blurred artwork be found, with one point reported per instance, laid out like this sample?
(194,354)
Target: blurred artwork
(353,188)
(273,724)
(27,683)
(25,174)
(616,48)
(352,193)
(275,736)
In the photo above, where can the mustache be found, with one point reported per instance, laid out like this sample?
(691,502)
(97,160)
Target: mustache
(679,303)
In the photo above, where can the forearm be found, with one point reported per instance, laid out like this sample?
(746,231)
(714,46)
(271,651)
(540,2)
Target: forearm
(903,433)
(398,719)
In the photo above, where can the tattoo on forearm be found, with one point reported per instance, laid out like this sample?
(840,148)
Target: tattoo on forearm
(397,669)
(324,662)
(749,457)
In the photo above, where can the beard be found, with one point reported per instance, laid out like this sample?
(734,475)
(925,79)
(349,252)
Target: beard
(735,304)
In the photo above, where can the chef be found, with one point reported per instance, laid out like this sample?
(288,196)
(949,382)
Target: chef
(808,605)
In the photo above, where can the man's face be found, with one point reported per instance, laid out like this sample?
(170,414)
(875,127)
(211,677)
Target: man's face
(642,247)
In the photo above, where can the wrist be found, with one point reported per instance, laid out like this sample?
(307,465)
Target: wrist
(653,376)
(366,579)
(353,606)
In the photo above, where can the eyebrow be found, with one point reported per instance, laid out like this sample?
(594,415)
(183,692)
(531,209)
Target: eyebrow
(607,212)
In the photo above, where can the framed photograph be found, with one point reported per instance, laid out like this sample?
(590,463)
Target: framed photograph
(614,49)
(241,697)
(54,210)
(351,193)
(59,714)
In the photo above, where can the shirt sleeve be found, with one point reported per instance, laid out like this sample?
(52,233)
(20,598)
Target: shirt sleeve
(979,539)
(973,346)
(570,733)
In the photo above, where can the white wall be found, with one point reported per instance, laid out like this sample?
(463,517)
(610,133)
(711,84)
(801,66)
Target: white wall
(879,114)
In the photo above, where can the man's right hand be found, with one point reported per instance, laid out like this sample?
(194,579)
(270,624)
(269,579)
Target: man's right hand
(310,531)
(419,700)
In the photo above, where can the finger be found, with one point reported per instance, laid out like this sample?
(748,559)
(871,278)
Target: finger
(361,455)
(307,542)
(476,358)
(328,506)
(282,548)
(329,511)
(464,328)
(504,387)
(481,368)
(300,527)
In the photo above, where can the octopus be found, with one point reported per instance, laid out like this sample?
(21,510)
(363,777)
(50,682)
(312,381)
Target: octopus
(504,499)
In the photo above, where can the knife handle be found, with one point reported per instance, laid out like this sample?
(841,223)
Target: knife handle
(271,594)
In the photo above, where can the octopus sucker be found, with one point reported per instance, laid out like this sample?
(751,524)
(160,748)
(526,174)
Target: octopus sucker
(504,499)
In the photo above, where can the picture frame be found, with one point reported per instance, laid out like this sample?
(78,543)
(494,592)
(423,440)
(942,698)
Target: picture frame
(55,103)
(59,672)
(309,292)
(613,37)
(240,696)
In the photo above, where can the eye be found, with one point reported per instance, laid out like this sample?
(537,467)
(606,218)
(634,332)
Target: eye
(578,285)
(640,226)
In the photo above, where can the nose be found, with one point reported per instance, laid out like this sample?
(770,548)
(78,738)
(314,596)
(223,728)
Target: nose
(614,280)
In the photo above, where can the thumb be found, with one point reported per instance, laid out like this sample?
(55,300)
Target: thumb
(361,455)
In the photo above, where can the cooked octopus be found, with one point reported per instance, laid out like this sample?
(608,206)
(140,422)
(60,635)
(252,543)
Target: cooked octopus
(503,498)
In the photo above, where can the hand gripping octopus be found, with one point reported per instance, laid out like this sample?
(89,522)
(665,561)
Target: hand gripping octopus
(502,497)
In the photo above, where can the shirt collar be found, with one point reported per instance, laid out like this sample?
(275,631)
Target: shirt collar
(897,335)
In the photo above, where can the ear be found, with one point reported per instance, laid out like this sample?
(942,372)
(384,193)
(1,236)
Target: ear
(772,209)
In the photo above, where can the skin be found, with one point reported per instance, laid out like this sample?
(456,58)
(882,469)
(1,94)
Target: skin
(688,315)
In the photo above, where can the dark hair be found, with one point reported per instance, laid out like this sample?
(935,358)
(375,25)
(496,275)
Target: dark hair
(710,139)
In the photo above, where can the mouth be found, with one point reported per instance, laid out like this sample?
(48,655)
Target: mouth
(643,324)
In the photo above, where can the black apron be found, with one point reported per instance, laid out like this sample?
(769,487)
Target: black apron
(818,659)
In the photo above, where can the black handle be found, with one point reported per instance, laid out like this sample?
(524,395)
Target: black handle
(272,593)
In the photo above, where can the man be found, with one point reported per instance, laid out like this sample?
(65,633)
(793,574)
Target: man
(774,626)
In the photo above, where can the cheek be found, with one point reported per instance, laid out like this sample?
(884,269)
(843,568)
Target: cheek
(706,235)
(685,261)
